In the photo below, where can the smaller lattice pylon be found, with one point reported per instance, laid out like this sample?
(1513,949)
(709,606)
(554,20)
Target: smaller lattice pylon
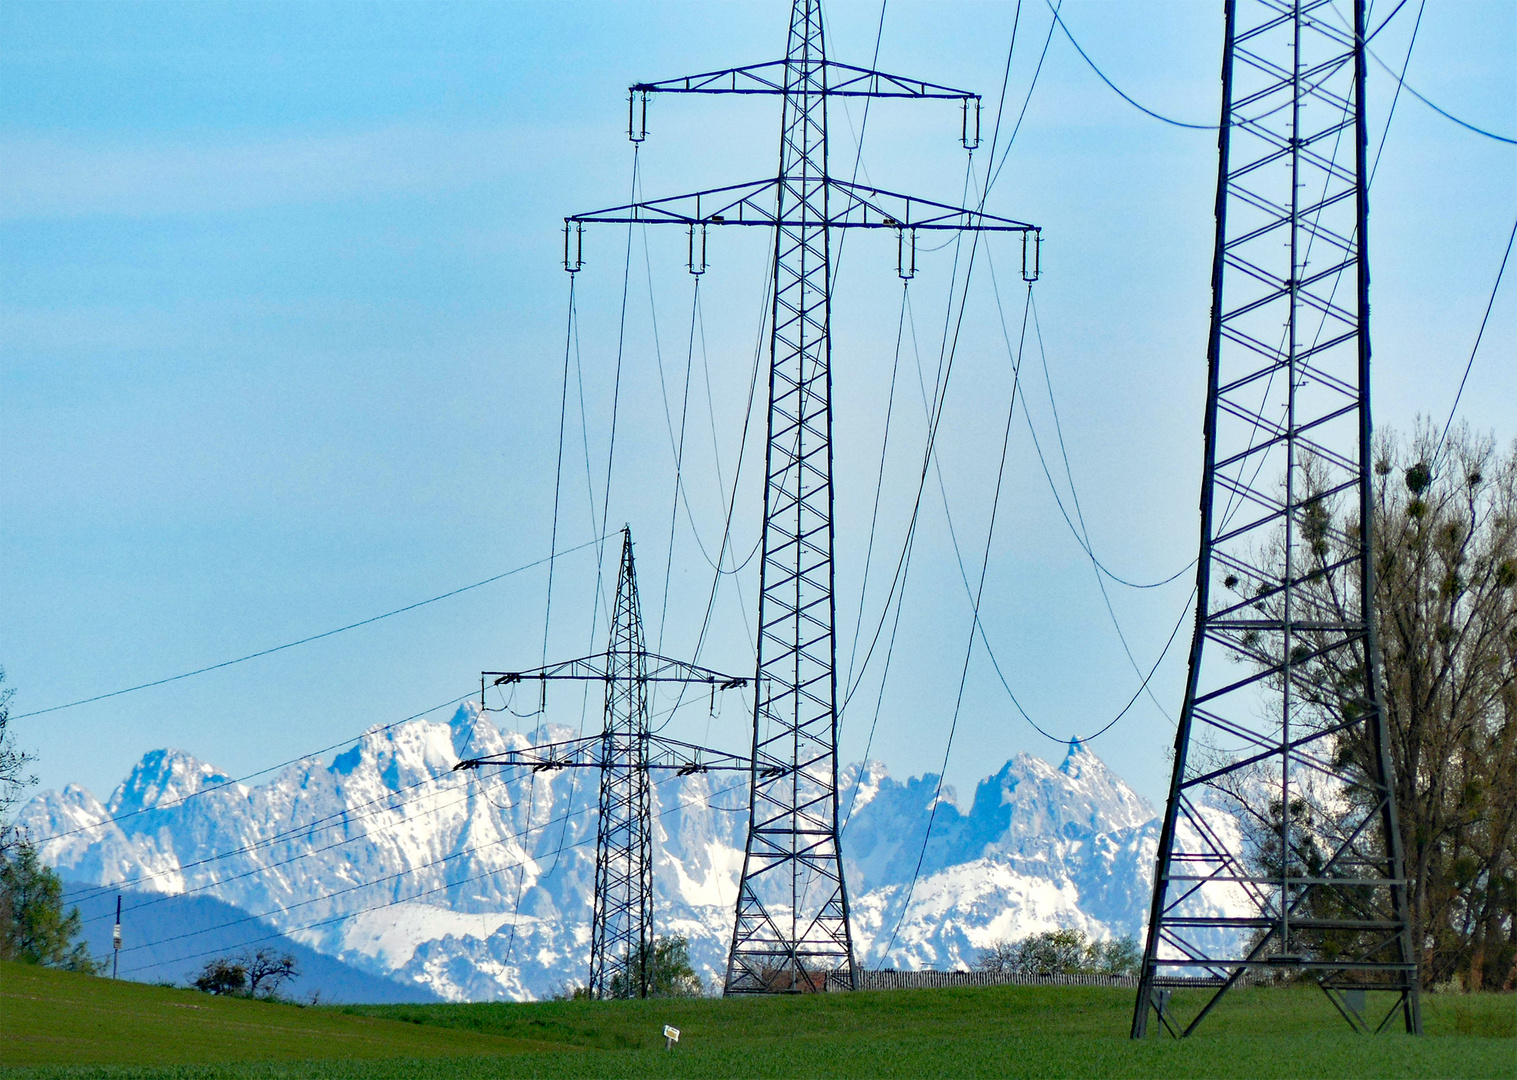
(625,752)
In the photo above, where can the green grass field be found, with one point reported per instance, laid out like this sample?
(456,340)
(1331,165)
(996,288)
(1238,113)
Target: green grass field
(55,1024)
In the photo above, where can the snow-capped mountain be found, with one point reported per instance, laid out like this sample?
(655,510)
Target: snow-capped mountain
(477,885)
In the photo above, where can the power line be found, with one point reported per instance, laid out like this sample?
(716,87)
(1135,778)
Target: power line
(939,403)
(1400,82)
(1437,108)
(679,448)
(858,153)
(314,637)
(1010,142)
(879,485)
(974,624)
(364,884)
(1475,348)
(1080,514)
(570,338)
(1143,686)
(1120,93)
(1081,537)
(895,365)
(308,829)
(324,922)
(521,875)
(248,776)
(947,352)
(616,395)
(407,899)
(304,854)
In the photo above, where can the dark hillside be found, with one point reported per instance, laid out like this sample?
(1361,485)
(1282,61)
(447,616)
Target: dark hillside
(171,916)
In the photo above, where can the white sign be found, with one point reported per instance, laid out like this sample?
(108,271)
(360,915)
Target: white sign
(671,1036)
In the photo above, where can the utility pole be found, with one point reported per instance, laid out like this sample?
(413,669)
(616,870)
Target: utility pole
(1284,715)
(116,939)
(625,753)
(791,931)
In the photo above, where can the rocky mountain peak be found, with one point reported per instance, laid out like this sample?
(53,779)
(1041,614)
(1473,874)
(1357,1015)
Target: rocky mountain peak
(162,777)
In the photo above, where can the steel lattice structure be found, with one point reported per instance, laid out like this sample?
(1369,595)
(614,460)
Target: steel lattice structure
(625,752)
(622,931)
(791,930)
(1284,720)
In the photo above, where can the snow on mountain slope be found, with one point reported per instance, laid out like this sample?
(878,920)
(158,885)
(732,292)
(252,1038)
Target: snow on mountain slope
(478,885)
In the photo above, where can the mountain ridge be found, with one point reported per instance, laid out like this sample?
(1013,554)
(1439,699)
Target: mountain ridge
(478,885)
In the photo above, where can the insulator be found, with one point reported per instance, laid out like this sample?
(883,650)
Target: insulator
(696,262)
(970,134)
(637,121)
(1031,254)
(905,262)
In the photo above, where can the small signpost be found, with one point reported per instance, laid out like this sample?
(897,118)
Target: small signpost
(671,1036)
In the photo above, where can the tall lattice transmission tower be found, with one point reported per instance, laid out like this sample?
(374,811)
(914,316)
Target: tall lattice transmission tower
(622,930)
(791,931)
(1280,849)
(625,753)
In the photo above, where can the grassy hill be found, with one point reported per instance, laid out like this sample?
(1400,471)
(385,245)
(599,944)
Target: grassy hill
(49,1018)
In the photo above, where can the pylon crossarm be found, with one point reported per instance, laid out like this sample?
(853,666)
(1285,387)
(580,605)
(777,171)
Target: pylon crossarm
(842,80)
(572,754)
(687,758)
(663,669)
(600,667)
(662,753)
(850,206)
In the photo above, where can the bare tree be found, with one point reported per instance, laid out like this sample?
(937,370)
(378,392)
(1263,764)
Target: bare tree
(1444,536)
(270,970)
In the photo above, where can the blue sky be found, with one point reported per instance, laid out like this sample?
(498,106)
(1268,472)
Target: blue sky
(282,335)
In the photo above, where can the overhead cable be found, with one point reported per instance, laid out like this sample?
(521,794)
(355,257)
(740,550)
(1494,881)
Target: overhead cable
(1122,94)
(1082,539)
(1143,686)
(212,788)
(1480,334)
(347,815)
(974,624)
(285,933)
(304,853)
(1033,85)
(314,637)
(1437,108)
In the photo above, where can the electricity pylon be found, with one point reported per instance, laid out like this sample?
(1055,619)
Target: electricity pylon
(1284,719)
(791,932)
(625,752)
